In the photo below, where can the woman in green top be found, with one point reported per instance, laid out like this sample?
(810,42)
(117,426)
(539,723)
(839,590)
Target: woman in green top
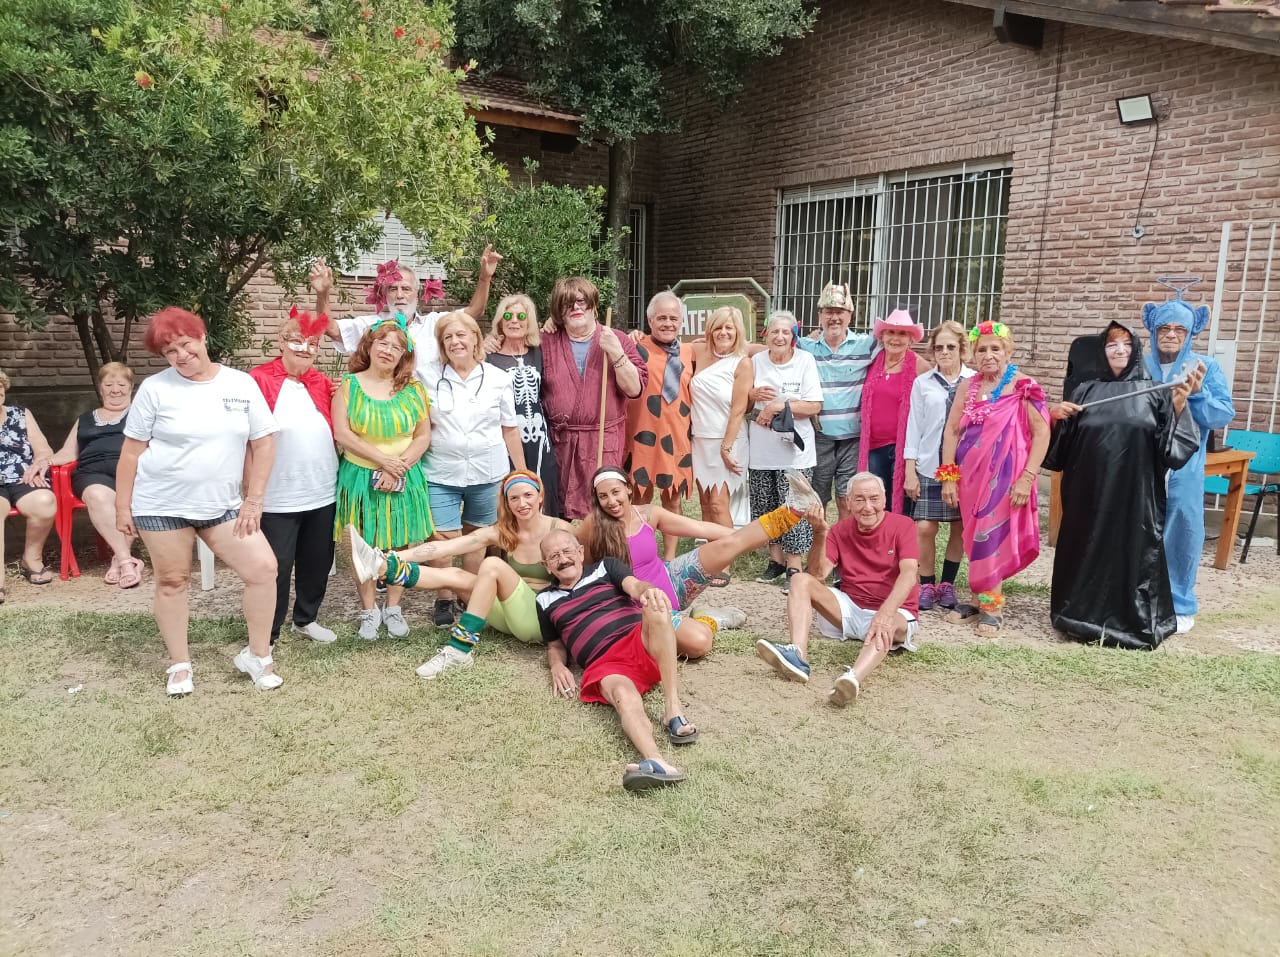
(381,424)
(501,593)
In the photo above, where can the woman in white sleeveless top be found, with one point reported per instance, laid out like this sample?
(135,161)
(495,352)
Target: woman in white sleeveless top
(716,359)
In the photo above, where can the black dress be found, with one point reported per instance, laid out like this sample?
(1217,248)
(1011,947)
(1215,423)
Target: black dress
(526,381)
(1110,577)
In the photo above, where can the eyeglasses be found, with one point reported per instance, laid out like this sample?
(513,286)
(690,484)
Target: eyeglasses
(1171,332)
(302,345)
(946,347)
(508,316)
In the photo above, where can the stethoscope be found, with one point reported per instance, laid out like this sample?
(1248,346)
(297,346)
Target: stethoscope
(438,398)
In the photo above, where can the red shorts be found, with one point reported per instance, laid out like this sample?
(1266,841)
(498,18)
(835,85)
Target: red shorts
(627,657)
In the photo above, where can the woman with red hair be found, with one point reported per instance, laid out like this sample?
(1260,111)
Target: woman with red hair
(199,443)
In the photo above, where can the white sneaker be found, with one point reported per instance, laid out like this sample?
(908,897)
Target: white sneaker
(370,622)
(316,632)
(845,690)
(393,618)
(444,659)
(366,561)
(800,493)
(1185,624)
(179,687)
(256,668)
(725,618)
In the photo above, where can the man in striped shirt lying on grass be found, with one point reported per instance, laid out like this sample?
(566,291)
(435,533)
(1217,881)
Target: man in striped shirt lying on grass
(617,629)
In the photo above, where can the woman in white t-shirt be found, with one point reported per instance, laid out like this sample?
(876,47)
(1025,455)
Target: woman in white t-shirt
(298,507)
(195,433)
(780,377)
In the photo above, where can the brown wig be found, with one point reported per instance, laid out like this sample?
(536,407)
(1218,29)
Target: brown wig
(566,291)
(402,375)
(506,524)
(608,536)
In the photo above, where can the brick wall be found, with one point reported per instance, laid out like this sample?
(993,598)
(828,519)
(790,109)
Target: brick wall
(886,85)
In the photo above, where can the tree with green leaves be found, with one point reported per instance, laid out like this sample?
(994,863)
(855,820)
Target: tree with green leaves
(157,152)
(612,60)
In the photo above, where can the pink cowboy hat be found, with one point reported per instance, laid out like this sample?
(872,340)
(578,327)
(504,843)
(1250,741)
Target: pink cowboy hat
(899,320)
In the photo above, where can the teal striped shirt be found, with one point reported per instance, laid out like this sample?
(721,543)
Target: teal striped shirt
(842,372)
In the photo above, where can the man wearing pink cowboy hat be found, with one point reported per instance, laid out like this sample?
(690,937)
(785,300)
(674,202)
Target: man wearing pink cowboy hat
(842,358)
(886,400)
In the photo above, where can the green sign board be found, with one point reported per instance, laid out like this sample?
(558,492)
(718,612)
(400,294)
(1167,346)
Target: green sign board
(700,305)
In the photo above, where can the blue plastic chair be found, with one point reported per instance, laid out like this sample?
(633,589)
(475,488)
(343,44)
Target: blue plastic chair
(1266,463)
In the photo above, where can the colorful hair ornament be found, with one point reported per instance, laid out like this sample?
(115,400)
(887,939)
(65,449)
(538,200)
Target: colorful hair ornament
(432,289)
(388,272)
(526,479)
(399,322)
(308,326)
(998,329)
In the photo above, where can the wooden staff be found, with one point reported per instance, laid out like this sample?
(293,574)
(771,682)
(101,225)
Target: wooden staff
(604,389)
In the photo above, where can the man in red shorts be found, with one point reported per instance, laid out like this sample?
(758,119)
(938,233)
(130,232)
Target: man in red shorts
(590,617)
(876,553)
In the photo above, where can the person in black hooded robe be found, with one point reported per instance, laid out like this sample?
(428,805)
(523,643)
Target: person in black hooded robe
(1110,577)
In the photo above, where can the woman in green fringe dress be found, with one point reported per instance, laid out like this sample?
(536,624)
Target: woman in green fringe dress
(381,424)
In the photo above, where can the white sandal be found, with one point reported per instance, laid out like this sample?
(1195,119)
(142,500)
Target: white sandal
(179,687)
(255,668)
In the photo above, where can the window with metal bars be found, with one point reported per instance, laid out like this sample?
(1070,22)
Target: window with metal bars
(638,219)
(931,242)
(399,244)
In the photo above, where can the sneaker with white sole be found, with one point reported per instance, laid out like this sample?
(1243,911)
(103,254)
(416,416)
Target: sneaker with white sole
(800,495)
(772,572)
(316,632)
(726,618)
(366,561)
(845,690)
(256,669)
(784,659)
(393,618)
(444,659)
(370,622)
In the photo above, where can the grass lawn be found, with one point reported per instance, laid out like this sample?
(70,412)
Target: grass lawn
(988,800)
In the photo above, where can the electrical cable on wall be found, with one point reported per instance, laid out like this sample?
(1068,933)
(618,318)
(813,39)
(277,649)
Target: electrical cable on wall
(1138,230)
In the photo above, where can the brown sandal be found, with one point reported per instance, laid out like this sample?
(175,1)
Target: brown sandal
(38,576)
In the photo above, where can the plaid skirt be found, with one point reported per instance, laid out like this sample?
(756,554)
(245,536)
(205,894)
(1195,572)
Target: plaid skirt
(930,507)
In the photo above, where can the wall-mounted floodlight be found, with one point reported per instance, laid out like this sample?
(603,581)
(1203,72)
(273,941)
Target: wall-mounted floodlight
(1134,110)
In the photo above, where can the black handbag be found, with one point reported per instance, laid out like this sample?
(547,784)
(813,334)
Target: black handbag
(785,422)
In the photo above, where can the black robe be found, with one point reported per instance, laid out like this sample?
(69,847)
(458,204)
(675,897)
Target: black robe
(1110,577)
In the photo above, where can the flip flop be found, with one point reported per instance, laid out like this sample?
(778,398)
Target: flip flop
(718,580)
(989,625)
(649,775)
(673,731)
(37,576)
(112,577)
(962,613)
(131,572)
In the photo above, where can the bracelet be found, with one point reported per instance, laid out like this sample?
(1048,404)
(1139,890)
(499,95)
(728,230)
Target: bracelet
(1029,472)
(947,473)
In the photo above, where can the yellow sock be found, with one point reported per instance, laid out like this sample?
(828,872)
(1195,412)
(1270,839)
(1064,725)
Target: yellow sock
(778,521)
(709,622)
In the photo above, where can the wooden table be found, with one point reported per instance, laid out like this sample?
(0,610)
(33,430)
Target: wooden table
(1234,465)
(1231,464)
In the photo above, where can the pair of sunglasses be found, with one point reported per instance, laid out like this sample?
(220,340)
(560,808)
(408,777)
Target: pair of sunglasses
(513,315)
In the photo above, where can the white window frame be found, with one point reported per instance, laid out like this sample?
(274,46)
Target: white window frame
(399,244)
(889,275)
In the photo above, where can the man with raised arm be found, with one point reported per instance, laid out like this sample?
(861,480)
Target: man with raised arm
(617,629)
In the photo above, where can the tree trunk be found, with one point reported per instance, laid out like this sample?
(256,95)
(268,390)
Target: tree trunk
(87,346)
(622,159)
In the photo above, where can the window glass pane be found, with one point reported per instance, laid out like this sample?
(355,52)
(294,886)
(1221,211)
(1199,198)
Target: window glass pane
(399,244)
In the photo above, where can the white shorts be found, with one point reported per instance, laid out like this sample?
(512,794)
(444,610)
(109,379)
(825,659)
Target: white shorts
(855,621)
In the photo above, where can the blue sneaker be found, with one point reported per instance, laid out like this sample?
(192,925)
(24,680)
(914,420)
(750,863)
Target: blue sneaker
(784,659)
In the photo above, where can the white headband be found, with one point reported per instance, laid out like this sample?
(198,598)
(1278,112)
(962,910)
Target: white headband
(606,475)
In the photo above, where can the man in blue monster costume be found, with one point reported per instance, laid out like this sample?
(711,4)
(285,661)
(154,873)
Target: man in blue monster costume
(1173,324)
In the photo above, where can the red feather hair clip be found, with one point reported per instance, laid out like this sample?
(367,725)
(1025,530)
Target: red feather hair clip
(309,326)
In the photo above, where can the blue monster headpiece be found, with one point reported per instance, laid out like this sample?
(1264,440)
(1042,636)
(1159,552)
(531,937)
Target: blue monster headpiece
(1177,310)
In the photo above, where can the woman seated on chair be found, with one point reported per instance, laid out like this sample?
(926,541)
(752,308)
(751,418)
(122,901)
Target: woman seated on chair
(24,456)
(618,529)
(94,444)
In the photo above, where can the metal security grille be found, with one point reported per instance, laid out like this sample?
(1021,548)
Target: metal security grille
(638,220)
(1244,330)
(399,244)
(930,242)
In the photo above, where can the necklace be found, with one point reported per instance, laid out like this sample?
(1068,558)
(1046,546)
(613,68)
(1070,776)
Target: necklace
(1009,372)
(721,355)
(107,417)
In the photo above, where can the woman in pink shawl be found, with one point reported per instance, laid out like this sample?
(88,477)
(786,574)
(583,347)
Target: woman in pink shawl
(992,448)
(886,401)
